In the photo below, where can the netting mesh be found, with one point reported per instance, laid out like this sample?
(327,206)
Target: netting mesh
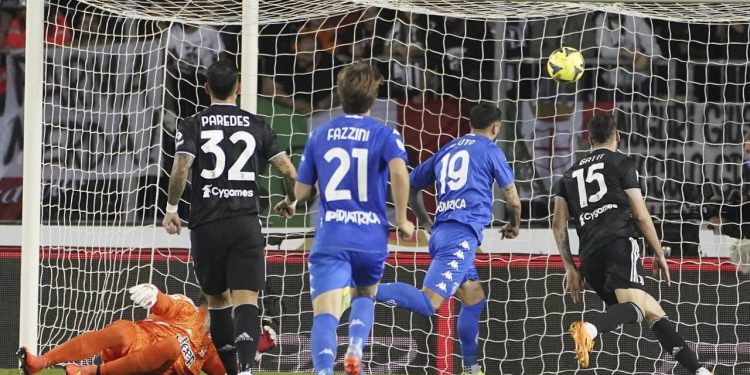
(120,74)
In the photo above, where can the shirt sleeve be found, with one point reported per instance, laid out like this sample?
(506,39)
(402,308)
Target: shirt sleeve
(628,175)
(307,173)
(424,174)
(271,147)
(213,365)
(559,189)
(394,147)
(172,307)
(501,170)
(186,138)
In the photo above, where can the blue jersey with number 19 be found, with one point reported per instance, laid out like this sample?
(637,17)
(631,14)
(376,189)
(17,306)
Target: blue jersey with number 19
(348,157)
(464,170)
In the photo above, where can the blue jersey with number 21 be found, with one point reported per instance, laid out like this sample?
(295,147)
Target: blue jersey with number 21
(348,157)
(464,170)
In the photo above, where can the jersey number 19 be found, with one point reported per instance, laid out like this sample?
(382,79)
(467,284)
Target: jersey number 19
(454,171)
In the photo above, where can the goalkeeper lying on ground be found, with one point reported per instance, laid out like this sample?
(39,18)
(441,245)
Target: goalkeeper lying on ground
(173,339)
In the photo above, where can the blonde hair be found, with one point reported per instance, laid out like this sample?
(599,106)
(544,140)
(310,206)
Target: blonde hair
(358,86)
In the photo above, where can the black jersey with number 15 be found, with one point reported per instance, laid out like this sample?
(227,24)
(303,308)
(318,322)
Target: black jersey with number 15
(594,189)
(228,145)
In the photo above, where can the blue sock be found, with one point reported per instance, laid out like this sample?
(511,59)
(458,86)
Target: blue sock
(467,328)
(406,296)
(323,342)
(360,321)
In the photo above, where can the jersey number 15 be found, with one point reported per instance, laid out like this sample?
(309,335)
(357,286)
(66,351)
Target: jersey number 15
(592,175)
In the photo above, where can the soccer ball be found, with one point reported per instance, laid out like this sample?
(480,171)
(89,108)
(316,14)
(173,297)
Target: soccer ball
(565,65)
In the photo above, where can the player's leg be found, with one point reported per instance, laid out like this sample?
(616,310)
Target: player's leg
(208,252)
(120,334)
(246,276)
(424,302)
(473,301)
(606,270)
(329,275)
(452,251)
(367,270)
(665,332)
(154,358)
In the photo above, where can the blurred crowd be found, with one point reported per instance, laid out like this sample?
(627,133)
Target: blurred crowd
(437,67)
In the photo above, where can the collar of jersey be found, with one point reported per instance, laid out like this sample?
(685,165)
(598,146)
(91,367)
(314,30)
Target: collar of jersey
(224,104)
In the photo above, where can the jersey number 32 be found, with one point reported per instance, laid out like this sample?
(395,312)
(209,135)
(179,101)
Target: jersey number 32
(213,138)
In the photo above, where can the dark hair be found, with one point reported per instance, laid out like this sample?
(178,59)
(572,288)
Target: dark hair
(602,128)
(221,77)
(483,115)
(358,85)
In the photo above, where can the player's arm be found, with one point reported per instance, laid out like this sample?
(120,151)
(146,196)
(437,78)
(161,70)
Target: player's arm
(213,365)
(513,205)
(177,180)
(308,172)
(283,164)
(573,279)
(186,147)
(644,223)
(560,230)
(400,190)
(423,175)
(505,178)
(631,186)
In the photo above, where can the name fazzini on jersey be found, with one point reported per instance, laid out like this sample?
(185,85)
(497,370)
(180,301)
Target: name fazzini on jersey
(225,120)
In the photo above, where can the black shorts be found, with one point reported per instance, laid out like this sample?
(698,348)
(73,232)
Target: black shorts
(229,254)
(614,266)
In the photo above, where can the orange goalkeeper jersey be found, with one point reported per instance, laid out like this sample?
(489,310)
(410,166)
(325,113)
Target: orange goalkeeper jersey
(176,316)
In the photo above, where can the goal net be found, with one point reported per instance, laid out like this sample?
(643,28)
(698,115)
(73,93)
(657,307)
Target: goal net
(119,75)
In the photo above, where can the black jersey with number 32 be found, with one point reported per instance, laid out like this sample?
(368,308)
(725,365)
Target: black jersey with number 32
(594,189)
(230,146)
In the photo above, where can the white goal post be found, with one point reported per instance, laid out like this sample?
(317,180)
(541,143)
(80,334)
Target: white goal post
(98,149)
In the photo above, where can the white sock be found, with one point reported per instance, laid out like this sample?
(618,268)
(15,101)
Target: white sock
(703,371)
(591,329)
(475,369)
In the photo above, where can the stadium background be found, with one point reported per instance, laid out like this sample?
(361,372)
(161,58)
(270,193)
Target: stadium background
(683,121)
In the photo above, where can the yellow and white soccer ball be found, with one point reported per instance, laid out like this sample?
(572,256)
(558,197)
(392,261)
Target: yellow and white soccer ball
(565,65)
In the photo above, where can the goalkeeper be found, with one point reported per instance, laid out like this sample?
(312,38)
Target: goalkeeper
(173,339)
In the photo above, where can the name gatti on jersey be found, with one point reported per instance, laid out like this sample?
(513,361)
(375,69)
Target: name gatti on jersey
(225,120)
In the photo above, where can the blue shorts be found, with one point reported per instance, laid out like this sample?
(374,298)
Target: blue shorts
(331,270)
(452,247)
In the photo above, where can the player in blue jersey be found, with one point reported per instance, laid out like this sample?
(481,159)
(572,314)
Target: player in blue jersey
(464,170)
(350,158)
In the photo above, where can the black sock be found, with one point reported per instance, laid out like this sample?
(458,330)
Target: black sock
(222,334)
(616,315)
(246,334)
(674,344)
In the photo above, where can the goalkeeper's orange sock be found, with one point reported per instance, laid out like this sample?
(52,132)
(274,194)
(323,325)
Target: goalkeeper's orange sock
(119,333)
(156,358)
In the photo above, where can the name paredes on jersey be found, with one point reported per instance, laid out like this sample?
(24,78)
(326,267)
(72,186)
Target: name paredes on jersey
(453,204)
(214,191)
(356,217)
(225,120)
(348,133)
(588,216)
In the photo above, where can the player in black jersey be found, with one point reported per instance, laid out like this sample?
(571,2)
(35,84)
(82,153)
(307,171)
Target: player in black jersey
(602,195)
(227,148)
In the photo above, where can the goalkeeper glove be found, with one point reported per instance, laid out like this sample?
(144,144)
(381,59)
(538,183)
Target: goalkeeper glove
(144,295)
